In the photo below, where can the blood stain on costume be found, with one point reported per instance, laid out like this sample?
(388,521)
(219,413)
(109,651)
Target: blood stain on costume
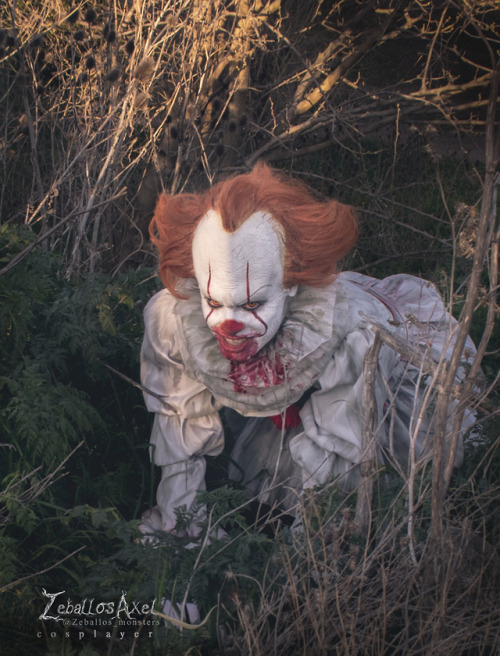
(257,372)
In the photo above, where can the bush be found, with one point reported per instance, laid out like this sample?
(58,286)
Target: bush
(73,431)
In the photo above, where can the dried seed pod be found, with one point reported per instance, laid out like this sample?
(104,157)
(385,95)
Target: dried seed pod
(109,33)
(90,62)
(10,39)
(145,69)
(141,100)
(113,75)
(79,35)
(130,46)
(90,16)
(36,41)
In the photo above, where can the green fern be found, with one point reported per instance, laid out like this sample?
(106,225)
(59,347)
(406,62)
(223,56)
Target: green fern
(47,419)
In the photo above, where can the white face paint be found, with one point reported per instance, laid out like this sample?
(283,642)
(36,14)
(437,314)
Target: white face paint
(240,275)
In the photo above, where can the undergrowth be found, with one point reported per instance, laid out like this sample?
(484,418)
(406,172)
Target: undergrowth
(73,431)
(75,479)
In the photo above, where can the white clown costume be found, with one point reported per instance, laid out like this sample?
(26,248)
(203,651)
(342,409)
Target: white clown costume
(237,336)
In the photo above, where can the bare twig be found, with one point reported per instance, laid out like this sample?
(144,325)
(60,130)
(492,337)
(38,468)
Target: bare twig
(48,233)
(143,389)
(13,584)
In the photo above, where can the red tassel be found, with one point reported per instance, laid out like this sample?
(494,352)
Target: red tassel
(292,418)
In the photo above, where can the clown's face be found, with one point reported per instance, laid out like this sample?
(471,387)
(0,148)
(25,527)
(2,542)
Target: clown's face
(240,275)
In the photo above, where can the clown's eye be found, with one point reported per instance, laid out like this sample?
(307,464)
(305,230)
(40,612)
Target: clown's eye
(213,304)
(253,305)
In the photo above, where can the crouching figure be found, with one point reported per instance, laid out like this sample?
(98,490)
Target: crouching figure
(255,319)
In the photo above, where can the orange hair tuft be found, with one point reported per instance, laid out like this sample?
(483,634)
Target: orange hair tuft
(317,233)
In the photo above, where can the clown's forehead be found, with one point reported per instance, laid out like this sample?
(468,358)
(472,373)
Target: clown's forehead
(227,257)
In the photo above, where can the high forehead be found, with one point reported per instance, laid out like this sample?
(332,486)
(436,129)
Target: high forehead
(257,245)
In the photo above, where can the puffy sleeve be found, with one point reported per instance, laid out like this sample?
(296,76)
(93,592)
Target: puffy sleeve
(330,444)
(186,422)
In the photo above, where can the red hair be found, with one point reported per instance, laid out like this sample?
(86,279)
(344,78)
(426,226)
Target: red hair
(317,233)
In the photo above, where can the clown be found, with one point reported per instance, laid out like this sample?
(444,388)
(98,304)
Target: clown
(256,322)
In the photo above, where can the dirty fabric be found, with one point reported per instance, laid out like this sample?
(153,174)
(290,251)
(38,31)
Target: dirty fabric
(314,363)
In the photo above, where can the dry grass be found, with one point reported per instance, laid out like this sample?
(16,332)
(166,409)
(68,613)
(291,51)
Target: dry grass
(328,591)
(103,106)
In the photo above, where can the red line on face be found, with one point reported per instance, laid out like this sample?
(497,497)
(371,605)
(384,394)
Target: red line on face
(254,312)
(248,282)
(208,289)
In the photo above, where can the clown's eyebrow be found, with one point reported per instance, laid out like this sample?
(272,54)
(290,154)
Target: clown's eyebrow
(257,291)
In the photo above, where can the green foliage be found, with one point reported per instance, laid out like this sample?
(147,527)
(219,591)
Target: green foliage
(7,559)
(45,419)
(202,568)
(60,405)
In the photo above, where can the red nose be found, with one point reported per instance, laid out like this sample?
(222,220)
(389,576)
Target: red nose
(230,327)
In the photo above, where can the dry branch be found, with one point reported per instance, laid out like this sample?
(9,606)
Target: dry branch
(414,356)
(485,234)
(314,97)
(368,465)
(218,86)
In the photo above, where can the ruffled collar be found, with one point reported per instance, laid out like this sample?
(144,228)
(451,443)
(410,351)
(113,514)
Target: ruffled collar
(316,321)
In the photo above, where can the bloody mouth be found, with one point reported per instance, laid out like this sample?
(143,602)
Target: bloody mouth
(236,348)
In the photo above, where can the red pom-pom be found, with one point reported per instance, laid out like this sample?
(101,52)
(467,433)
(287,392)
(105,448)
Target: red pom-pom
(292,418)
